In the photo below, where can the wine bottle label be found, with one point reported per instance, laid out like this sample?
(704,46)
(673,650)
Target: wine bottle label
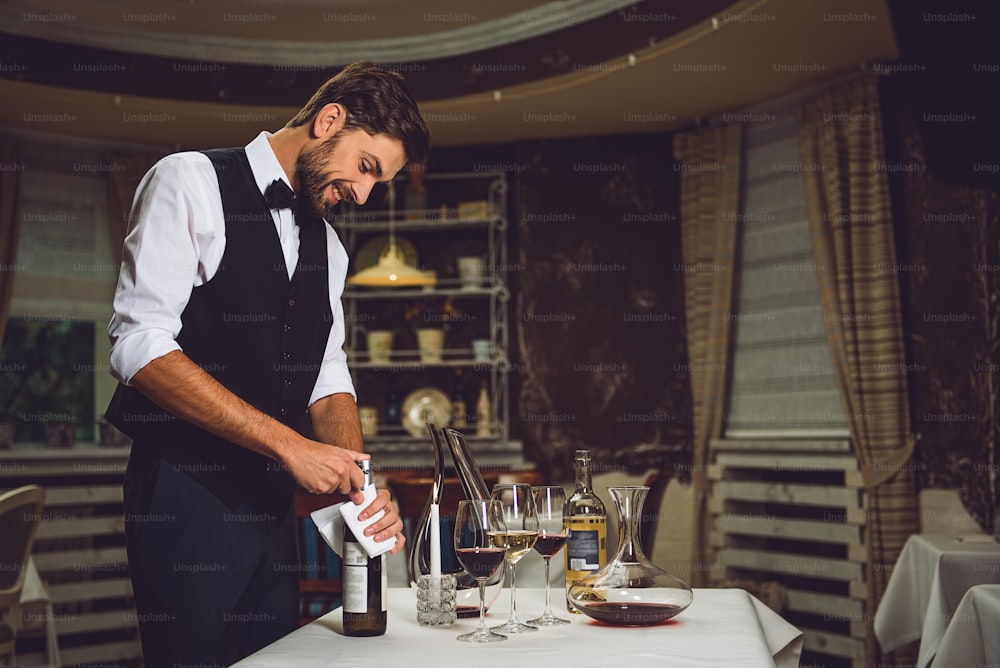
(356,578)
(585,545)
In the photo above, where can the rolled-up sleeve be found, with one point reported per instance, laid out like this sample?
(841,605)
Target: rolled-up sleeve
(172,227)
(334,376)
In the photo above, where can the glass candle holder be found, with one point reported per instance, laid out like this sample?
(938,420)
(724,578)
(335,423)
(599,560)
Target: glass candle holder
(436,600)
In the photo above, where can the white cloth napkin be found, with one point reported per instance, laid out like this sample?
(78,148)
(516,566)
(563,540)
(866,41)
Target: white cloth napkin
(330,524)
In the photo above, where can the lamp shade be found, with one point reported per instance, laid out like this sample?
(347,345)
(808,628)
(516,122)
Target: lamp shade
(391,270)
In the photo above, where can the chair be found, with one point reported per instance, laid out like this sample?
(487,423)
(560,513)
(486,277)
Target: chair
(20,512)
(657,482)
(38,619)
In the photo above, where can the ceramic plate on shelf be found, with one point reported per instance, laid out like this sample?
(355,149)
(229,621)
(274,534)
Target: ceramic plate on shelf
(428,404)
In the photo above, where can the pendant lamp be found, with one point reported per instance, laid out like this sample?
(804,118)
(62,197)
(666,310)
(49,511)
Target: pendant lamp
(391,269)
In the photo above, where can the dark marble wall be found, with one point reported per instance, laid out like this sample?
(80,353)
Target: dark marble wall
(599,310)
(596,313)
(950,266)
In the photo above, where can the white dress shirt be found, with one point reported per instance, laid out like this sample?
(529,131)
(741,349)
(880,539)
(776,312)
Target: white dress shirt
(177,235)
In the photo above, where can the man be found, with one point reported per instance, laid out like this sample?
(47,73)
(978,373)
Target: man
(227,339)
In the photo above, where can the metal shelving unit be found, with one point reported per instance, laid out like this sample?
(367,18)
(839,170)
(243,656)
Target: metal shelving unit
(357,226)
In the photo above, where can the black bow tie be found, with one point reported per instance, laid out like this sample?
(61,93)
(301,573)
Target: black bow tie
(279,196)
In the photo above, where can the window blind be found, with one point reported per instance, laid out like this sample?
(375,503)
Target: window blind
(782,379)
(65,268)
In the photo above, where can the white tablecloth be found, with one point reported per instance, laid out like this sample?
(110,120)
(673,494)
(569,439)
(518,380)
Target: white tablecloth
(930,577)
(33,590)
(973,634)
(722,627)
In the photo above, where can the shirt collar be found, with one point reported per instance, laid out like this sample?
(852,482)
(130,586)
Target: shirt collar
(263,163)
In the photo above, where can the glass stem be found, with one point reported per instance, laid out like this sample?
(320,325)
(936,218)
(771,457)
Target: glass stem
(482,606)
(548,610)
(513,602)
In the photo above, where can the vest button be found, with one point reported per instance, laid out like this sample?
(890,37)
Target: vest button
(283,412)
(291,302)
(288,382)
(286,327)
(286,356)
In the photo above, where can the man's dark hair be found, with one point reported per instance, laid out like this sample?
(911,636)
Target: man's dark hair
(378,102)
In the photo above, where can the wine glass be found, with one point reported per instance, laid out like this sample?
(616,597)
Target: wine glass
(480,558)
(549,501)
(522,531)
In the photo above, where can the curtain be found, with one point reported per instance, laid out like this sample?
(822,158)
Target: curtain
(710,188)
(10,226)
(847,194)
(129,169)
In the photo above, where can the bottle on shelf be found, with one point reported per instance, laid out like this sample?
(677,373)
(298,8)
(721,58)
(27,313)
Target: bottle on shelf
(459,409)
(391,408)
(365,582)
(586,524)
(484,413)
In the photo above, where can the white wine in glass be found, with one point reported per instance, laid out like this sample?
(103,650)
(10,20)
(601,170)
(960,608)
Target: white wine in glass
(518,539)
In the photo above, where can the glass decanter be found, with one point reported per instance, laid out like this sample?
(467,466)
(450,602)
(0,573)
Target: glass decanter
(630,590)
(467,595)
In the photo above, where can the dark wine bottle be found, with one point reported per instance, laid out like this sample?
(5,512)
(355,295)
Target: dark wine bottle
(365,583)
(391,404)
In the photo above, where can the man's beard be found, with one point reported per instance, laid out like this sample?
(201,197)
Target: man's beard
(309,167)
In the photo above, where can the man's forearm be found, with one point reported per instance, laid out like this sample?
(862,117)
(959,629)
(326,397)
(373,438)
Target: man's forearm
(335,421)
(186,390)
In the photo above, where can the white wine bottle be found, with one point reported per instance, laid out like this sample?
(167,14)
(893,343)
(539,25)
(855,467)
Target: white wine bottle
(365,582)
(586,525)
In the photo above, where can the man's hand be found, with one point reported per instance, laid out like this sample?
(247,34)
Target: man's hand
(324,469)
(334,419)
(390,524)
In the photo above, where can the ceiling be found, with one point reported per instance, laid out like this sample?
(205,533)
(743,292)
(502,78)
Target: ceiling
(199,73)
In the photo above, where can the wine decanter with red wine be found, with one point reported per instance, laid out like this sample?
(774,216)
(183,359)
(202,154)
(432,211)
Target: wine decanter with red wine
(630,590)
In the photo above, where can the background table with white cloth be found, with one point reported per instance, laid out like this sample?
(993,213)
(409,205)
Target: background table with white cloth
(973,634)
(930,577)
(722,627)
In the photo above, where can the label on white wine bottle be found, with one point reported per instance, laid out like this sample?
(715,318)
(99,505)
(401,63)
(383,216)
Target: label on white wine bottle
(355,578)
(585,545)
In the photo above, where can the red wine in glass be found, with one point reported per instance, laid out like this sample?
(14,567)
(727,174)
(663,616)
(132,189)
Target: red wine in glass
(550,502)
(466,611)
(550,543)
(481,562)
(478,556)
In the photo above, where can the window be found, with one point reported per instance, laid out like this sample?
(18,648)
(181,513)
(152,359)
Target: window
(782,381)
(54,358)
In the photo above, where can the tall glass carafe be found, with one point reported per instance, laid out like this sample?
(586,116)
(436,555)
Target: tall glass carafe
(467,599)
(630,590)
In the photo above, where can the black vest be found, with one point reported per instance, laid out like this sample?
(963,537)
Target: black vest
(260,335)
